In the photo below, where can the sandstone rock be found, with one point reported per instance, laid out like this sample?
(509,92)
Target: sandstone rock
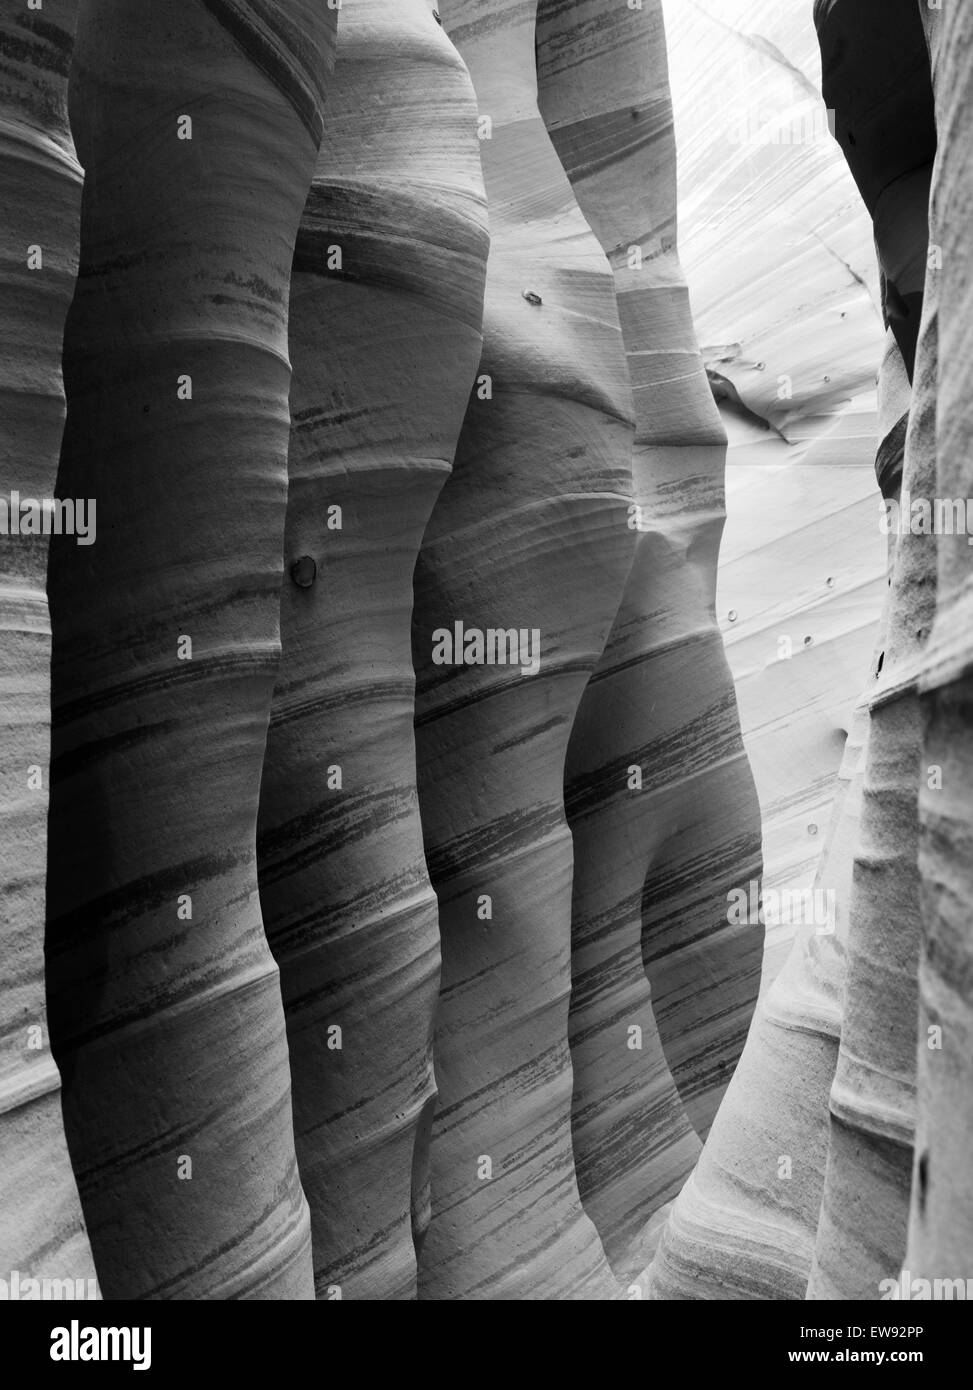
(778,250)
(875,77)
(861,1235)
(164,997)
(659,794)
(745,1224)
(574,787)
(529,533)
(41,1233)
(940,1240)
(385,346)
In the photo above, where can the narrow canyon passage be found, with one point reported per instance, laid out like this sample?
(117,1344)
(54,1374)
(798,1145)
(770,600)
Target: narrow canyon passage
(485,588)
(659,792)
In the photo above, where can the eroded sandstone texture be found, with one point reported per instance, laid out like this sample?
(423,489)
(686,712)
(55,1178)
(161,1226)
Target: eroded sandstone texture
(779,252)
(530,533)
(745,1225)
(658,790)
(884,122)
(940,1243)
(164,998)
(386,307)
(505,879)
(747,1229)
(41,1232)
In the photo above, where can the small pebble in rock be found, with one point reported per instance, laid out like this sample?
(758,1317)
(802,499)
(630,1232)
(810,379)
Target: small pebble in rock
(304,571)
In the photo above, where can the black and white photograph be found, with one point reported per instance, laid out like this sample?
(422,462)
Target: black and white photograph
(486,671)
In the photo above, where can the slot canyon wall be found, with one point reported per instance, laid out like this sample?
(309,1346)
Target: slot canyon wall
(833,1218)
(940,1233)
(164,999)
(529,534)
(778,251)
(659,792)
(385,348)
(41,1227)
(884,122)
(401,732)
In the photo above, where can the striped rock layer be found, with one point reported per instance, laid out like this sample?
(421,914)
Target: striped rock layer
(164,998)
(779,252)
(658,791)
(41,1231)
(530,532)
(862,1228)
(940,1240)
(745,1224)
(386,308)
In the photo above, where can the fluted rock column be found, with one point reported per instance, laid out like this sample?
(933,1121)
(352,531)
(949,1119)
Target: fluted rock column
(198,125)
(940,1242)
(386,309)
(41,1233)
(659,793)
(861,1234)
(662,698)
(529,542)
(862,1228)
(745,1224)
